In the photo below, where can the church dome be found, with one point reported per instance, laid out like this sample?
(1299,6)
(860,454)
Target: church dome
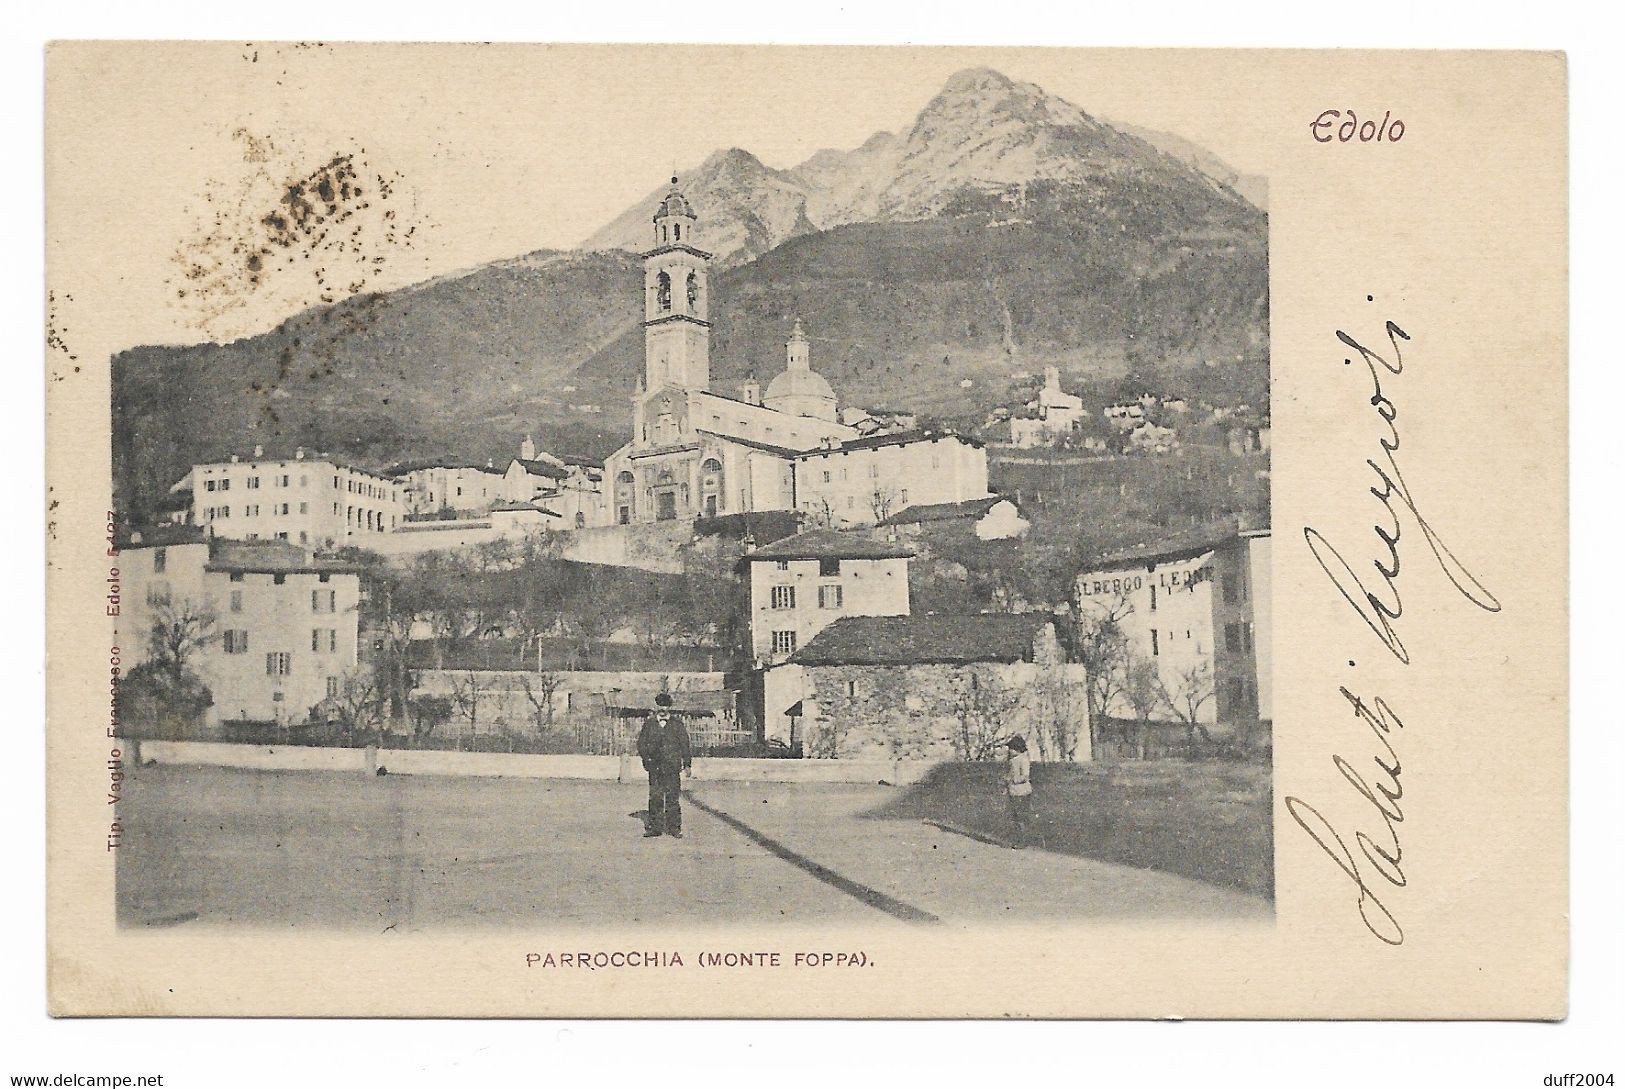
(799,384)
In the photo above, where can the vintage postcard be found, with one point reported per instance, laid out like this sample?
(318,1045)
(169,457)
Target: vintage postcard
(569,530)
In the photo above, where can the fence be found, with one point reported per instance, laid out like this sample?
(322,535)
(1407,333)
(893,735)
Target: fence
(583,736)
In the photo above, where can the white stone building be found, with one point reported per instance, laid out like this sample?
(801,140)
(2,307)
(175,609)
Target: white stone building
(801,585)
(432,489)
(1196,605)
(316,501)
(1050,415)
(863,481)
(994,518)
(278,628)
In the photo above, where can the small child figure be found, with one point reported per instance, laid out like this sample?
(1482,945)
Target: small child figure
(1019,785)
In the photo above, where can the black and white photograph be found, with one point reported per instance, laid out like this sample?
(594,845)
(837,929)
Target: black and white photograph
(698,514)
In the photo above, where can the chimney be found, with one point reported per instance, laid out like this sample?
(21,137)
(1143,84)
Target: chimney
(750,391)
(234,459)
(259,451)
(299,454)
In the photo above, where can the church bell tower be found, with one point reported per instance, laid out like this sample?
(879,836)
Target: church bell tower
(676,329)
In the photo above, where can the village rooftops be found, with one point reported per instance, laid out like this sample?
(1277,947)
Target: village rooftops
(890,438)
(945,512)
(270,557)
(538,467)
(1190,542)
(406,467)
(754,444)
(300,456)
(158,536)
(829,544)
(510,505)
(923,639)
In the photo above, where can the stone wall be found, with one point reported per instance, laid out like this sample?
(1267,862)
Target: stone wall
(940,711)
(503,700)
(625,769)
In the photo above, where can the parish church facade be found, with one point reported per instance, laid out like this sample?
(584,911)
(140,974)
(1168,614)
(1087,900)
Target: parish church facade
(695,452)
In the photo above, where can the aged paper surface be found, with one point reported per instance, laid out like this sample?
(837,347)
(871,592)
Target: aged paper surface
(1415,766)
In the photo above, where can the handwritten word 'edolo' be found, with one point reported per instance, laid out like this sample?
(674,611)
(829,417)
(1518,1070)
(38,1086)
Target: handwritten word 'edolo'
(1327,128)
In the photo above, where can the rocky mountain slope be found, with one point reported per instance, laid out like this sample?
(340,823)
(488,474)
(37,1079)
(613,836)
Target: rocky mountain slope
(982,130)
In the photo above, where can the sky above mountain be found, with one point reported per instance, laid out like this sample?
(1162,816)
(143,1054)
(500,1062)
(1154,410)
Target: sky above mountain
(511,150)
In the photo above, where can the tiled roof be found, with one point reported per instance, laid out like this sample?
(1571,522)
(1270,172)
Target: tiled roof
(581,460)
(821,544)
(1189,542)
(537,467)
(924,639)
(944,512)
(272,557)
(283,458)
(158,536)
(893,438)
(784,451)
(444,463)
(507,505)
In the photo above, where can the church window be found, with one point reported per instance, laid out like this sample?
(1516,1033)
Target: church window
(678,232)
(693,291)
(663,291)
(711,465)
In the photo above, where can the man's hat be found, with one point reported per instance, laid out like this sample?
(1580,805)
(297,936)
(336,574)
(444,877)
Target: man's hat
(663,699)
(1017,743)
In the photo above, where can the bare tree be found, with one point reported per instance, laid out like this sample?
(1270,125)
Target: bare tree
(1063,714)
(981,704)
(1143,692)
(179,633)
(360,701)
(823,513)
(1193,687)
(539,689)
(881,502)
(1103,649)
(468,694)
(537,601)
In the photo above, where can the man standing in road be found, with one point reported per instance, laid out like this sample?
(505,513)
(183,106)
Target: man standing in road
(664,749)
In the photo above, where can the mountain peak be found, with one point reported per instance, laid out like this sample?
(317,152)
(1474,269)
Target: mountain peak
(976,81)
(731,159)
(981,129)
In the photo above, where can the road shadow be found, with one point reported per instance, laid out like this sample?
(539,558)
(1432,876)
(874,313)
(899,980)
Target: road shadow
(1207,820)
